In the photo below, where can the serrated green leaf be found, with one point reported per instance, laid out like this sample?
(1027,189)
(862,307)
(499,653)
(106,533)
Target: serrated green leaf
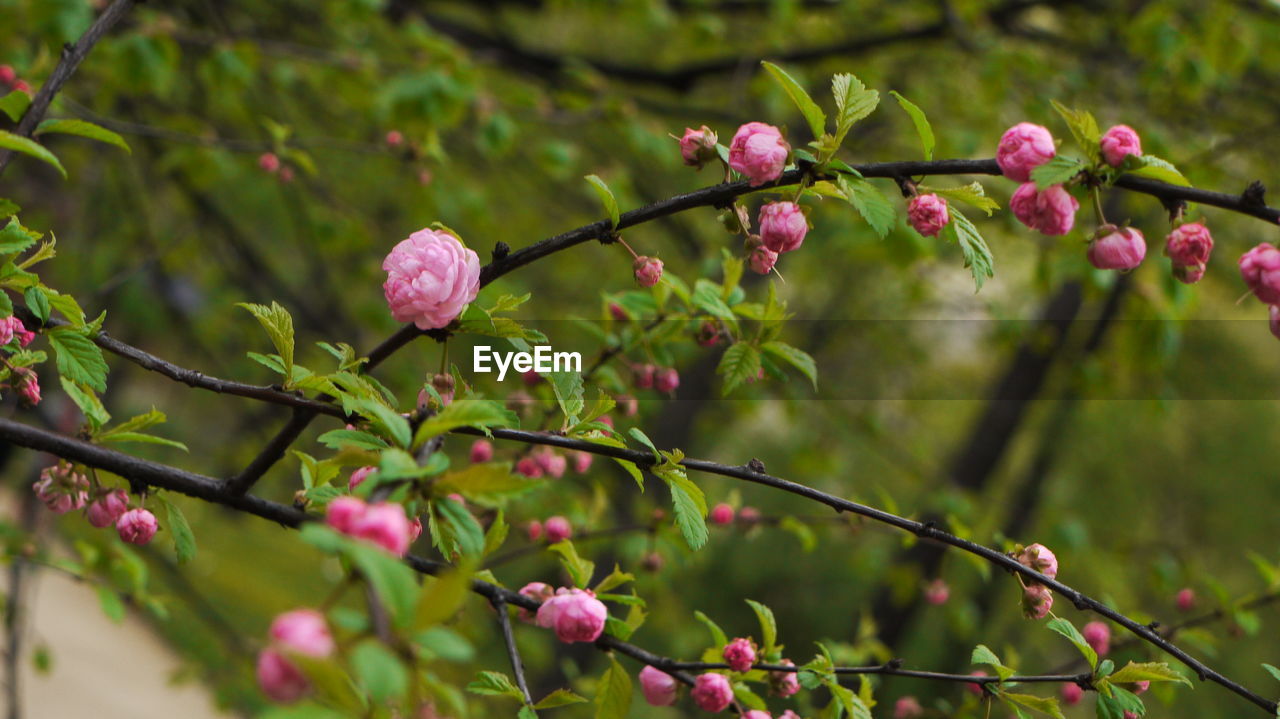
(971,194)
(1044,705)
(88,402)
(184,540)
(639,435)
(1147,671)
(496,684)
(740,363)
(1056,171)
(339,438)
(690,510)
(466,530)
(977,256)
(923,129)
(580,570)
(795,357)
(813,114)
(1068,630)
(18,143)
(613,697)
(853,102)
(768,625)
(38,302)
(568,389)
(15,238)
(143,438)
(477,413)
(78,358)
(1157,169)
(1083,128)
(983,655)
(606,198)
(82,129)
(559,698)
(870,202)
(278,323)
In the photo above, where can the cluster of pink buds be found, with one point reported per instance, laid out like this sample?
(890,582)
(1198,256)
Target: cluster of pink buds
(555,529)
(1260,268)
(907,707)
(1188,247)
(383,524)
(11,327)
(301,632)
(9,78)
(663,379)
(63,490)
(1023,148)
(784,684)
(1037,600)
(575,615)
(269,162)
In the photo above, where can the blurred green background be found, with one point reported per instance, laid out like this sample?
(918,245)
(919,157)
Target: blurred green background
(1144,455)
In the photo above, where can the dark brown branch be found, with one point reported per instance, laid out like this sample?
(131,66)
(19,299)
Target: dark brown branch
(509,638)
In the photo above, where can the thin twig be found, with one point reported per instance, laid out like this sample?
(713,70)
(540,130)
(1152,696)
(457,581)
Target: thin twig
(509,638)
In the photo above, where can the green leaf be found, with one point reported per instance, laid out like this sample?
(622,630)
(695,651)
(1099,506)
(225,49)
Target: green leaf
(690,508)
(466,530)
(718,637)
(813,114)
(768,625)
(495,684)
(397,427)
(278,323)
(923,128)
(393,581)
(740,363)
(339,438)
(487,482)
(1044,705)
(613,697)
(1068,630)
(82,129)
(580,570)
(559,698)
(977,256)
(136,423)
(112,606)
(1083,128)
(78,358)
(606,197)
(795,357)
(870,202)
(970,194)
(569,393)
(853,102)
(144,438)
(15,104)
(706,297)
(441,598)
(38,302)
(983,655)
(379,671)
(643,438)
(88,403)
(1272,670)
(18,143)
(615,579)
(15,238)
(1147,671)
(1157,169)
(1056,171)
(477,413)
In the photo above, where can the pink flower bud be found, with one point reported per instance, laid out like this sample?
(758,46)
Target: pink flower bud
(937,592)
(907,708)
(302,631)
(762,259)
(928,214)
(740,654)
(1141,686)
(788,714)
(722,514)
(975,688)
(534,528)
(782,226)
(617,313)
(359,476)
(1130,715)
(286,174)
(1098,636)
(530,378)
(22,86)
(1023,148)
(385,525)
(758,152)
(784,684)
(558,529)
(8,75)
(1189,244)
(653,562)
(1071,694)
(1037,600)
(605,420)
(529,467)
(648,270)
(6,330)
(658,686)
(24,335)
(106,510)
(1117,248)
(1260,268)
(1039,558)
(269,162)
(748,515)
(537,591)
(1185,599)
(29,387)
(666,380)
(698,147)
(582,462)
(1118,143)
(712,692)
(443,384)
(394,138)
(342,513)
(279,679)
(415,530)
(481,450)
(1051,212)
(757,714)
(551,462)
(60,489)
(644,376)
(137,526)
(431,277)
(575,615)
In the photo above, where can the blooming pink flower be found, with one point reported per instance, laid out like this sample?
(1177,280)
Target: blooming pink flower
(60,489)
(106,509)
(137,526)
(1118,143)
(269,162)
(782,226)
(558,529)
(758,152)
(1189,244)
(1038,557)
(907,708)
(666,380)
(658,686)
(359,476)
(1051,212)
(303,631)
(1023,148)
(535,530)
(928,214)
(1071,694)
(394,138)
(740,654)
(575,615)
(529,467)
(481,450)
(1260,268)
(712,692)
(1117,248)
(385,525)
(722,514)
(582,461)
(937,592)
(1185,599)
(279,679)
(29,386)
(1098,636)
(698,147)
(431,277)
(1037,600)
(975,688)
(784,684)
(762,259)
(648,270)
(342,513)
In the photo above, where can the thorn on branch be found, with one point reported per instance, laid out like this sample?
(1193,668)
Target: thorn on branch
(755,465)
(500,251)
(1154,626)
(894,664)
(1255,195)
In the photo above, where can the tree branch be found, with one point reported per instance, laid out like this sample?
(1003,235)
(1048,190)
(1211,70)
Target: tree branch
(509,638)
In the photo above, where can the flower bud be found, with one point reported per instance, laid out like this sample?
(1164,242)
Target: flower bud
(722,514)
(740,654)
(558,529)
(782,226)
(1037,600)
(712,692)
(481,451)
(385,525)
(644,376)
(29,386)
(1023,148)
(537,591)
(1260,268)
(784,684)
(8,75)
(748,515)
(937,592)
(648,270)
(653,562)
(286,175)
(1189,244)
(359,476)
(1118,143)
(137,526)
(709,334)
(762,259)
(1186,598)
(975,688)
(907,708)
(22,86)
(342,513)
(658,686)
(666,380)
(1141,687)
(269,162)
(928,214)
(582,461)
(1039,558)
(61,489)
(1117,248)
(443,384)
(302,631)
(1051,211)
(534,528)
(1072,694)
(758,152)
(279,679)
(394,138)
(756,714)
(551,462)
(698,147)
(106,509)
(529,467)
(1098,636)
(575,615)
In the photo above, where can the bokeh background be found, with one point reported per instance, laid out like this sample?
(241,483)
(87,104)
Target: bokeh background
(1126,422)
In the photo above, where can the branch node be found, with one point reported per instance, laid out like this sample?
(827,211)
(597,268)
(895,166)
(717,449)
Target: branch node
(501,250)
(609,237)
(755,465)
(1255,195)
(894,664)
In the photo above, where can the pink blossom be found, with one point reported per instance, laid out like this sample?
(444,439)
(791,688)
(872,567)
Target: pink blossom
(1098,636)
(342,513)
(1189,245)
(782,226)
(1037,600)
(106,509)
(385,525)
(558,529)
(788,714)
(1186,598)
(537,591)
(1142,686)
(712,692)
(303,631)
(551,462)
(1071,694)
(928,214)
(1117,248)
(394,138)
(137,526)
(1051,212)
(698,147)
(575,615)
(740,654)
(1118,143)
(269,162)
(666,380)
(762,259)
(658,686)
(1260,268)
(648,270)
(29,386)
(60,489)
(756,714)
(534,528)
(529,467)
(582,461)
(359,476)
(481,450)
(644,376)
(758,152)
(784,684)
(975,688)
(1038,557)
(8,75)
(443,384)
(415,530)
(748,515)
(907,708)
(431,277)
(279,679)
(1023,148)
(22,86)
(722,514)
(937,592)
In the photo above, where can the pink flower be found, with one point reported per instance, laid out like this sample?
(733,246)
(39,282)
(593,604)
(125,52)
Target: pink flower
(535,530)
(1098,636)
(1023,148)
(712,692)
(1141,686)
(360,475)
(29,387)
(8,75)
(575,615)
(1185,599)
(280,680)
(784,684)
(758,152)
(1117,248)
(302,631)
(415,530)
(24,335)
(536,591)
(644,376)
(740,654)
(762,259)
(1260,268)
(782,226)
(443,384)
(698,147)
(928,214)
(558,529)
(937,592)
(582,462)
(788,714)
(529,467)
(60,489)
(666,380)
(907,708)
(481,450)
(385,525)
(722,514)
(658,686)
(6,330)
(552,463)
(1189,245)
(1051,212)
(342,513)
(1037,600)
(1188,275)
(431,277)
(394,138)
(1071,694)
(1118,143)
(1038,557)
(269,162)
(975,688)
(22,86)
(137,526)
(757,714)
(1130,715)
(106,509)
(648,270)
